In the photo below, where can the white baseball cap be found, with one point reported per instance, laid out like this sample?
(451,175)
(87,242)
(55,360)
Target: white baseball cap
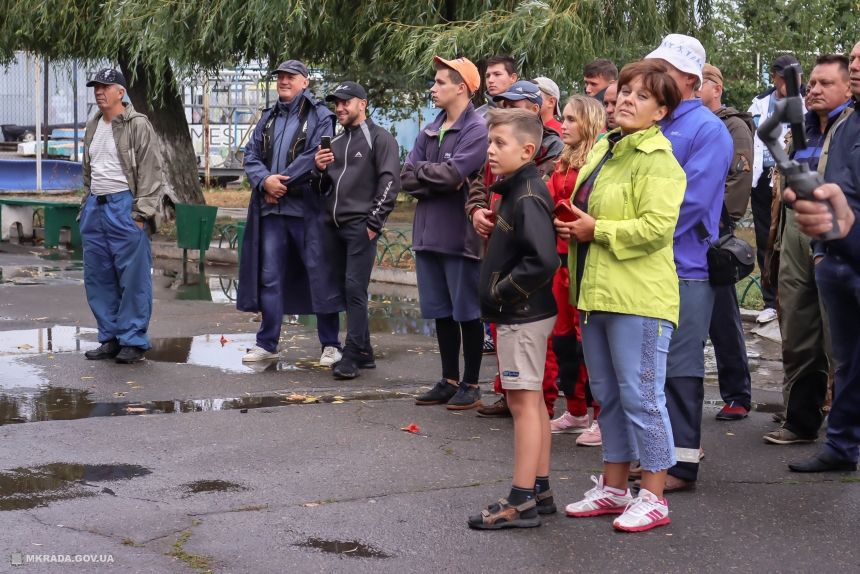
(684,52)
(550,88)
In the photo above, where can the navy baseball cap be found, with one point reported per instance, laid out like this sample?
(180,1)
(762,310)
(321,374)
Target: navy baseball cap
(780,63)
(108,77)
(522,90)
(347,91)
(292,67)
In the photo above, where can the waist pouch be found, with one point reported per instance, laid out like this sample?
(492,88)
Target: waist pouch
(730,258)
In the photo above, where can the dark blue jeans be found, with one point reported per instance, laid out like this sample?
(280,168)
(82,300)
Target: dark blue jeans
(727,336)
(839,286)
(283,240)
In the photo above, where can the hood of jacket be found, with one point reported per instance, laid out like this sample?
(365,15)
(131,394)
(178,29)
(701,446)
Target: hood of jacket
(728,112)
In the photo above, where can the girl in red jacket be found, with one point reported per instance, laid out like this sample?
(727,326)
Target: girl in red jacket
(584,122)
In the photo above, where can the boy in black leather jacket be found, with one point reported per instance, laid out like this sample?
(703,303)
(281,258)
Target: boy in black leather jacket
(516,295)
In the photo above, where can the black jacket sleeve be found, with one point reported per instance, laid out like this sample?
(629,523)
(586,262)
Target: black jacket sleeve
(386,158)
(320,181)
(535,237)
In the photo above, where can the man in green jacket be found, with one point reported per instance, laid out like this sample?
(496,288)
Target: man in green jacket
(122,184)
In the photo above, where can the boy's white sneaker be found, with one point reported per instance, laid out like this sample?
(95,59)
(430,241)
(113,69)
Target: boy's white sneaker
(599,501)
(256,353)
(643,513)
(330,356)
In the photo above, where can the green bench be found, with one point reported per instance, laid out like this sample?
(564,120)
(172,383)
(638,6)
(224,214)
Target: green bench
(58,214)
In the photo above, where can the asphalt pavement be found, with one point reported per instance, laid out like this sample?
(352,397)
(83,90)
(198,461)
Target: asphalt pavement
(191,461)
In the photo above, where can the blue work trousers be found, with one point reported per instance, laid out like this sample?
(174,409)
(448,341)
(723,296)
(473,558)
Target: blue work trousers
(117,269)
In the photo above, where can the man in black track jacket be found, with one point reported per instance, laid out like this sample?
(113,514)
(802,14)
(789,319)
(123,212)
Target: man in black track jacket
(360,176)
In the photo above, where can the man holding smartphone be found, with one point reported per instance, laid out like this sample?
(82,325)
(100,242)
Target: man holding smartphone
(359,172)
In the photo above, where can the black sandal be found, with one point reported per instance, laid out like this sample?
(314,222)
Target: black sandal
(503,515)
(545,503)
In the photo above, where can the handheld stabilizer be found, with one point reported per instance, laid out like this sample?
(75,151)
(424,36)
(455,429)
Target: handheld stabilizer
(797,175)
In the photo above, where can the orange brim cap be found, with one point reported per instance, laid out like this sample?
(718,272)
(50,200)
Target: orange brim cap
(466,69)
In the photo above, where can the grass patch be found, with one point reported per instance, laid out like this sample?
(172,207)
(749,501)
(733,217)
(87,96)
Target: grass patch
(130,542)
(201,563)
(252,508)
(849,479)
(449,451)
(221,197)
(595,470)
(197,523)
(791,482)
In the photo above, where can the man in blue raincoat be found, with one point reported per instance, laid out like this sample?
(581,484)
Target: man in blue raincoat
(284,270)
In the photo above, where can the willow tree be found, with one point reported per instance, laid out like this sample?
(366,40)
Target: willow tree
(387,44)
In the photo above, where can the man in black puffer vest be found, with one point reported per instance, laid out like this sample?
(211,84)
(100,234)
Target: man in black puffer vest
(361,176)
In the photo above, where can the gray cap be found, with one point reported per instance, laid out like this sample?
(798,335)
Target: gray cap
(292,67)
(780,63)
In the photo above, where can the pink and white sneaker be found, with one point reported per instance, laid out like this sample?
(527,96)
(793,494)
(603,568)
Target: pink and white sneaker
(599,501)
(643,513)
(569,424)
(590,437)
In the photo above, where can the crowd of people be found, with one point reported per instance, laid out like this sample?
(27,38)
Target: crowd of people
(570,238)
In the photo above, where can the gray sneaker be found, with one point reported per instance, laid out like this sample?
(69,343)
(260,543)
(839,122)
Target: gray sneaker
(467,397)
(784,436)
(438,395)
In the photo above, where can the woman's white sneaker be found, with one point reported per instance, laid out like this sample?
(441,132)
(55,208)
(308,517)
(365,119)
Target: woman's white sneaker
(599,501)
(256,353)
(330,356)
(643,513)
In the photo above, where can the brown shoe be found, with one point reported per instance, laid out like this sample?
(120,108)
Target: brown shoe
(495,410)
(672,484)
(784,436)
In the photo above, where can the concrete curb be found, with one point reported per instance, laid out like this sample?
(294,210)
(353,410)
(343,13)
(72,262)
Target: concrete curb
(213,254)
(394,275)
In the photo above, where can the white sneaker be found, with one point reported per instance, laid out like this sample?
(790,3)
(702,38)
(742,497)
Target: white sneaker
(257,353)
(643,513)
(330,356)
(766,316)
(591,437)
(599,501)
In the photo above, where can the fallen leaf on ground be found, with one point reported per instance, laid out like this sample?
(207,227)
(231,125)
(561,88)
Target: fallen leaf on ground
(337,402)
(135,410)
(82,378)
(39,318)
(93,386)
(137,387)
(24,346)
(413,428)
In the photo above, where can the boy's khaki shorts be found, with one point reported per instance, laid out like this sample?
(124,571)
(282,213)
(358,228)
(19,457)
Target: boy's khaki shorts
(521,350)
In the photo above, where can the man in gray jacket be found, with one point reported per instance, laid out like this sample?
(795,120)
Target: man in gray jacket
(122,181)
(360,175)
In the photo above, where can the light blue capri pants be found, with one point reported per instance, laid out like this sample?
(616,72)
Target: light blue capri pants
(626,360)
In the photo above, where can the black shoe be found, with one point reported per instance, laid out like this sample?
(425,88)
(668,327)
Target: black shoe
(822,461)
(467,397)
(546,503)
(130,355)
(440,394)
(366,360)
(107,350)
(346,368)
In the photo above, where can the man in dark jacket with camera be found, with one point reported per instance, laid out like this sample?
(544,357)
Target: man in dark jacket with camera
(359,171)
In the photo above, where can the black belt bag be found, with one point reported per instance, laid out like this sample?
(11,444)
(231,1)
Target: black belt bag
(730,258)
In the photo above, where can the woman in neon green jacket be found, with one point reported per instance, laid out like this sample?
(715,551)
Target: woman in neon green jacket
(627,200)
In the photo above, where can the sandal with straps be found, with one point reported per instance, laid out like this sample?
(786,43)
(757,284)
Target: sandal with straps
(545,503)
(503,515)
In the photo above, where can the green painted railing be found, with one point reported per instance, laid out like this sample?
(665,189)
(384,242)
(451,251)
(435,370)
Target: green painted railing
(394,246)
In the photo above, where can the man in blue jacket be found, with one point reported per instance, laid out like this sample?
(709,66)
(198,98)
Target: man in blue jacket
(447,156)
(284,269)
(704,148)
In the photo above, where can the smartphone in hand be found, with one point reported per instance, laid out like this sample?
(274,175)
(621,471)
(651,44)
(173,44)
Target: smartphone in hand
(325,142)
(564,212)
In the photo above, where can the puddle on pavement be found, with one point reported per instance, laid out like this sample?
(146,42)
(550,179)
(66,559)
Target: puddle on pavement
(756,407)
(199,486)
(343,547)
(61,404)
(25,488)
(15,346)
(61,254)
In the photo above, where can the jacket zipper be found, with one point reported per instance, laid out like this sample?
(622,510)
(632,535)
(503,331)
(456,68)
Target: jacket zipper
(625,205)
(337,185)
